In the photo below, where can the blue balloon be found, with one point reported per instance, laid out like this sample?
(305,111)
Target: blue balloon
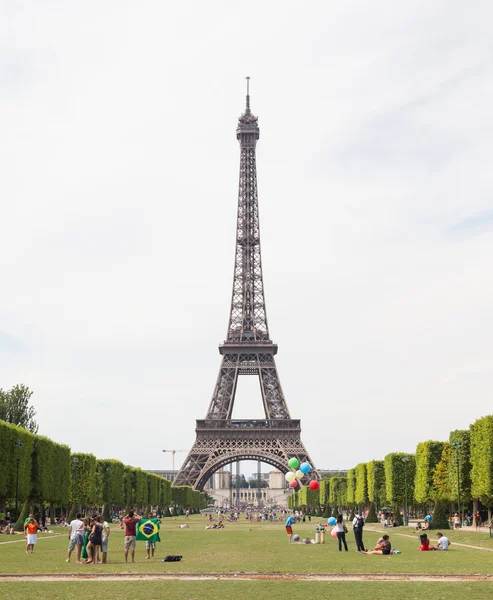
(331,521)
(305,468)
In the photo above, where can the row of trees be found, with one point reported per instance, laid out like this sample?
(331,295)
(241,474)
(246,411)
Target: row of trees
(457,471)
(37,471)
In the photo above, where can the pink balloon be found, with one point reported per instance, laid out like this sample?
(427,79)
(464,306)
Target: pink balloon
(314,485)
(333,533)
(293,484)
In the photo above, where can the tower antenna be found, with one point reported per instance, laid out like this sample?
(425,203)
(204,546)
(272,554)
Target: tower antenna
(248,95)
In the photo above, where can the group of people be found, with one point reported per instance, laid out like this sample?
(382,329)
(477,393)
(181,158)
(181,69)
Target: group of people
(89,538)
(383,546)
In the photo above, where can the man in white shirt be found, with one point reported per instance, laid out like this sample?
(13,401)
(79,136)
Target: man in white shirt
(443,542)
(76,538)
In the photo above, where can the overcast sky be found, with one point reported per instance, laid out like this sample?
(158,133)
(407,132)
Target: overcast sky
(118,192)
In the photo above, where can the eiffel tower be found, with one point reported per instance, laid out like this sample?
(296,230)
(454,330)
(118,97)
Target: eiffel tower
(247,350)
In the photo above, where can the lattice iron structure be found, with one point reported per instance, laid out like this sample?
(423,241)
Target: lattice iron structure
(247,350)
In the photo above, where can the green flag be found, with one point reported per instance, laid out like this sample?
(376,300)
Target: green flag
(148,530)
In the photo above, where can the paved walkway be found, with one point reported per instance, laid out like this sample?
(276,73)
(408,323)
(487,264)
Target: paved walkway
(397,577)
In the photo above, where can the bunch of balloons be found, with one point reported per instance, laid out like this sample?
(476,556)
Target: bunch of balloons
(295,476)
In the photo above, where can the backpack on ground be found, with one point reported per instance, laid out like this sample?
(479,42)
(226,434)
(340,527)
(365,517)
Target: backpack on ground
(172,558)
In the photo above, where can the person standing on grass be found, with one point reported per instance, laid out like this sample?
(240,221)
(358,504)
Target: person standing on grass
(341,531)
(76,538)
(104,540)
(31,530)
(130,522)
(358,524)
(95,541)
(289,527)
(86,531)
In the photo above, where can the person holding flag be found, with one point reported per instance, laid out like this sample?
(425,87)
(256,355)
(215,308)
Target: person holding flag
(148,531)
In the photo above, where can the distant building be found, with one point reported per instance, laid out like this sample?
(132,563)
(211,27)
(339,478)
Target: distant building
(324,473)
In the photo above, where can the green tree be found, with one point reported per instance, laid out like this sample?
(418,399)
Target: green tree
(399,476)
(460,441)
(16,449)
(375,472)
(324,492)
(482,460)
(439,519)
(83,488)
(338,492)
(351,486)
(361,487)
(241,482)
(441,476)
(254,483)
(15,409)
(428,455)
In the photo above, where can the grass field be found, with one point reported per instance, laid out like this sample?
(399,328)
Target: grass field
(245,548)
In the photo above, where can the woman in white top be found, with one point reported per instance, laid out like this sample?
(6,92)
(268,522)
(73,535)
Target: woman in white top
(341,532)
(456,521)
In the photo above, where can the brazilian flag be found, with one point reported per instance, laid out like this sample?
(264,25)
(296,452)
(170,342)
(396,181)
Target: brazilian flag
(148,530)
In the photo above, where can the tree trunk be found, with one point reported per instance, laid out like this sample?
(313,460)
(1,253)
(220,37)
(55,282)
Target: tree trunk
(19,525)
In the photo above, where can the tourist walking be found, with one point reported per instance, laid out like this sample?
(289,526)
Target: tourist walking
(341,531)
(130,522)
(75,538)
(358,524)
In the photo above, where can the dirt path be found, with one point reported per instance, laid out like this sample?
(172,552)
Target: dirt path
(247,577)
(22,539)
(414,537)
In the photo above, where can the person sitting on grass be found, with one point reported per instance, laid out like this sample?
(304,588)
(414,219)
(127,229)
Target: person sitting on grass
(383,547)
(425,543)
(443,542)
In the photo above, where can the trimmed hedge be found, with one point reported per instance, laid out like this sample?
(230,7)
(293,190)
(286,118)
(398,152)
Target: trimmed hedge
(396,472)
(361,487)
(428,455)
(482,460)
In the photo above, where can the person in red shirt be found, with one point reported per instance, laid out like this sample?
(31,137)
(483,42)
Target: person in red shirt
(130,522)
(425,543)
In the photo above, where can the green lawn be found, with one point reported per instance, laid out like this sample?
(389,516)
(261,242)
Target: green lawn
(260,590)
(258,547)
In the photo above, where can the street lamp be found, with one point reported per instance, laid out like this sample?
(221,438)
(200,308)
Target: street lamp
(457,446)
(108,501)
(405,460)
(376,492)
(19,445)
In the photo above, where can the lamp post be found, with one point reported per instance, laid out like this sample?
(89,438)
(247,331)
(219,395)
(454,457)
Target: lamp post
(19,445)
(75,477)
(457,446)
(405,460)
(376,493)
(108,501)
